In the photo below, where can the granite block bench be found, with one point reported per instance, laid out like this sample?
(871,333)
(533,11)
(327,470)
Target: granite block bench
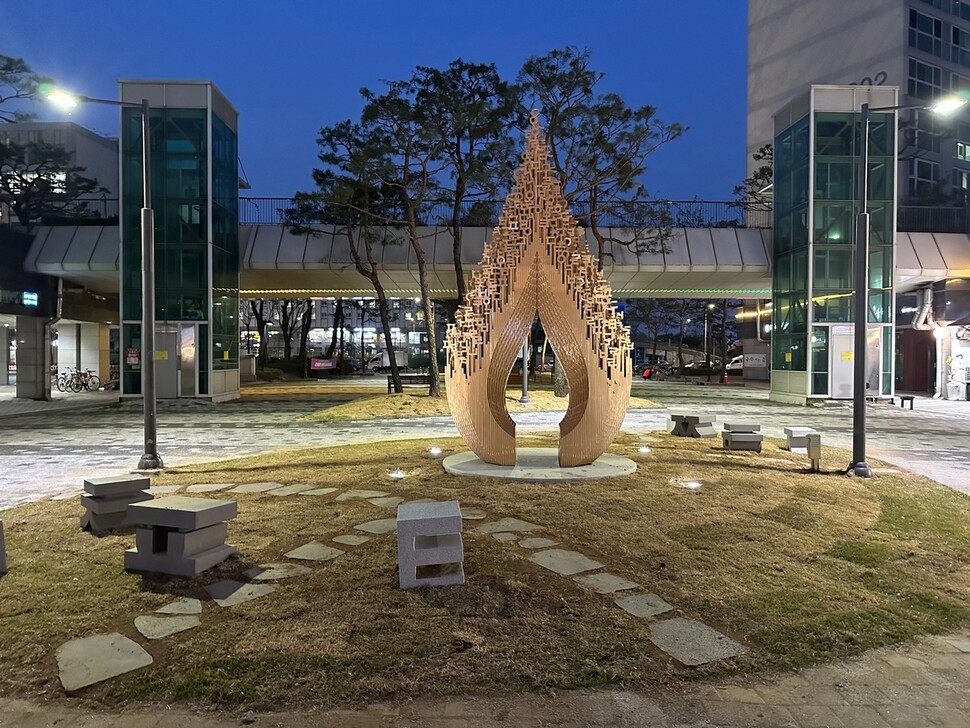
(796,438)
(684,424)
(430,551)
(179,535)
(742,436)
(106,501)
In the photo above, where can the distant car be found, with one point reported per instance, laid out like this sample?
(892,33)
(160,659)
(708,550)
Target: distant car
(736,364)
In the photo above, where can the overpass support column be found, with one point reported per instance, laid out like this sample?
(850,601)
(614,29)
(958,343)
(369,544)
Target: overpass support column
(95,349)
(33,358)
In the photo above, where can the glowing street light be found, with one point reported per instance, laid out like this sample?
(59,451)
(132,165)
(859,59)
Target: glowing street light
(150,459)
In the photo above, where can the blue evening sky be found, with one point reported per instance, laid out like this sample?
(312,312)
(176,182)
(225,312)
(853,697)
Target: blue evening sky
(292,66)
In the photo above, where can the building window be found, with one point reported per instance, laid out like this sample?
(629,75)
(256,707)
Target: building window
(923,177)
(961,179)
(925,81)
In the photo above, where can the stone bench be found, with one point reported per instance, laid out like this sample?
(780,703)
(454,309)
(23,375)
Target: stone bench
(742,436)
(429,540)
(180,536)
(904,398)
(796,438)
(684,424)
(106,501)
(409,380)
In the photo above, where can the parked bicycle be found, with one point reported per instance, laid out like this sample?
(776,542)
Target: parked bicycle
(75,380)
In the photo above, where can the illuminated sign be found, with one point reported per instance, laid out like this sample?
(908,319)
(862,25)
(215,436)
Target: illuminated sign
(29,298)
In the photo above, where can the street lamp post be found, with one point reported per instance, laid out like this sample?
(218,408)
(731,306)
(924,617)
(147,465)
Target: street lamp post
(861,309)
(150,459)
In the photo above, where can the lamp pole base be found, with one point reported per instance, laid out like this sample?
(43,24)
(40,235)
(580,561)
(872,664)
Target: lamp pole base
(150,461)
(861,469)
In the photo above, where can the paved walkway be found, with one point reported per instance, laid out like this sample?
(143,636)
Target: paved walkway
(46,452)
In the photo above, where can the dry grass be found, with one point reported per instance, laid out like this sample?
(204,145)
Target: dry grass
(417,403)
(800,567)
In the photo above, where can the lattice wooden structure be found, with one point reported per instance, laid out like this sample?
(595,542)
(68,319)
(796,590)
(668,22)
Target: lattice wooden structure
(538,261)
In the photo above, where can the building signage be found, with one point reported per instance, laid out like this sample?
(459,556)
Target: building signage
(29,298)
(161,354)
(132,357)
(755,360)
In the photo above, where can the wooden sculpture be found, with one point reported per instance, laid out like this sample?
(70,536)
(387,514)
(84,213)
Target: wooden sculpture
(538,261)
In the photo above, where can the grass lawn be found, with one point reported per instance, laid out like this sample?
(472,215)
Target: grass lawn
(417,403)
(800,567)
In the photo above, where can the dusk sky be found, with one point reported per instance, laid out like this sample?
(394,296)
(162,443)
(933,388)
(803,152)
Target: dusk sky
(292,66)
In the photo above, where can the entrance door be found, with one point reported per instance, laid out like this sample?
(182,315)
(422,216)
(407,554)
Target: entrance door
(841,364)
(166,362)
(188,368)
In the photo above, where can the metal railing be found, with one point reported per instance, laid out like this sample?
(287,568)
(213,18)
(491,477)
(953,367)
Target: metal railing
(912,219)
(484,213)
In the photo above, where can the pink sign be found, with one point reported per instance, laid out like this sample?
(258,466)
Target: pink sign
(317,365)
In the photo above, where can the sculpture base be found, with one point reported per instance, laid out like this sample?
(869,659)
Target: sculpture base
(538,464)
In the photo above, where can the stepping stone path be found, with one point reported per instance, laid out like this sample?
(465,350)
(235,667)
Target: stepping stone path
(384,525)
(256,487)
(604,583)
(389,502)
(472,514)
(318,491)
(164,489)
(156,628)
(207,487)
(91,660)
(274,572)
(315,551)
(643,605)
(229,593)
(508,524)
(351,539)
(565,563)
(185,605)
(693,643)
(362,494)
(537,543)
(505,536)
(290,490)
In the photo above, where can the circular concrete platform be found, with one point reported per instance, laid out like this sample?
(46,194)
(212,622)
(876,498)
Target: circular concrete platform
(538,464)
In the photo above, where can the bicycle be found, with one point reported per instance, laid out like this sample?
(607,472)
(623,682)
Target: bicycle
(76,380)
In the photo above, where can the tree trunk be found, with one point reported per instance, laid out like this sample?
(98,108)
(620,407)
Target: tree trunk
(261,329)
(306,320)
(560,387)
(724,314)
(338,323)
(456,237)
(434,388)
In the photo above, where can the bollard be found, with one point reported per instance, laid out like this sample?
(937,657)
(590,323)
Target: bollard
(815,450)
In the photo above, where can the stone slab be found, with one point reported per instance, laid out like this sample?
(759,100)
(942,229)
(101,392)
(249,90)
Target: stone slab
(100,657)
(164,489)
(391,501)
(382,525)
(363,494)
(182,512)
(99,523)
(742,427)
(643,605)
(505,536)
(319,491)
(538,464)
(229,593)
(156,628)
(605,583)
(508,524)
(429,519)
(207,487)
(314,551)
(350,539)
(165,563)
(255,487)
(290,489)
(116,504)
(275,572)
(115,485)
(693,643)
(537,543)
(185,605)
(473,514)
(564,562)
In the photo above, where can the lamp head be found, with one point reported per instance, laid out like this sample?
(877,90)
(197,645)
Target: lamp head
(941,332)
(59,97)
(948,106)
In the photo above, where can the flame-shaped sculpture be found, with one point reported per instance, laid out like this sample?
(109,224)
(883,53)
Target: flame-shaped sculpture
(538,261)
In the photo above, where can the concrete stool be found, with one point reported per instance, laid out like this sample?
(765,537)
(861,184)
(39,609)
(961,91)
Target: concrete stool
(107,500)
(904,398)
(797,438)
(3,552)
(179,535)
(429,535)
(742,436)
